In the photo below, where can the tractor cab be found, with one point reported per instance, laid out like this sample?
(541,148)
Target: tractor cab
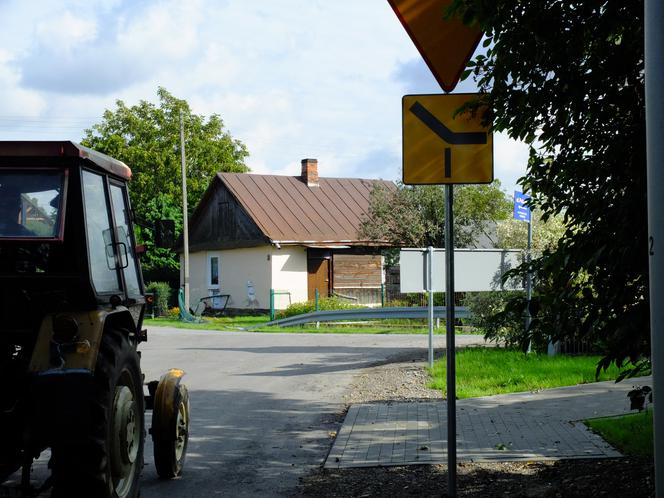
(65,228)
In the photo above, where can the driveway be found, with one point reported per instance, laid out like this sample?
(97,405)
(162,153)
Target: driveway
(263,405)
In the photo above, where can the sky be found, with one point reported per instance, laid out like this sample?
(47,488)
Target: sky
(290,79)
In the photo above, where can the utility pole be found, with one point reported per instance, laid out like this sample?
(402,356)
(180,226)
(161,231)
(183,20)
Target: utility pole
(654,75)
(185,218)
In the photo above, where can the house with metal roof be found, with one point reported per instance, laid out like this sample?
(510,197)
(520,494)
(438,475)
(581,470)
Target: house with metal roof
(261,239)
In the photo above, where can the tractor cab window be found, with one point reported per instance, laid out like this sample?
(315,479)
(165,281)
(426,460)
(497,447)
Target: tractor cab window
(101,249)
(125,242)
(31,203)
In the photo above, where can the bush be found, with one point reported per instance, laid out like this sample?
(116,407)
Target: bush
(324,304)
(173,313)
(162,293)
(500,314)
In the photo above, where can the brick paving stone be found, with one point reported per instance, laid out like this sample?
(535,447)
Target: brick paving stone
(523,426)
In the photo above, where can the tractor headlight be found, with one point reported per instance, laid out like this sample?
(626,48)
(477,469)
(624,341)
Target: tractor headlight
(65,329)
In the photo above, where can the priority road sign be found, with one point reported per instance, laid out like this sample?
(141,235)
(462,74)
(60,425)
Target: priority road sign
(441,148)
(446,44)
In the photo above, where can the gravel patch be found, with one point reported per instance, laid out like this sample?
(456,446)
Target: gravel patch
(402,381)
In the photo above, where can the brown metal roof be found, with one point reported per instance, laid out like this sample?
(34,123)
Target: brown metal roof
(288,211)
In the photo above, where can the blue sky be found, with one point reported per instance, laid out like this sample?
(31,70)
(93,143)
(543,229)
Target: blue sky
(291,79)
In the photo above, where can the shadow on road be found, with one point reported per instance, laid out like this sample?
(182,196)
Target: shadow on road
(247,444)
(324,359)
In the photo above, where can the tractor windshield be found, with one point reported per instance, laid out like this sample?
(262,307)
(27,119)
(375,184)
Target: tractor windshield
(31,203)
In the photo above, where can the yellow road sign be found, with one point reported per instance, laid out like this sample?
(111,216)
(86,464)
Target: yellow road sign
(439,148)
(446,45)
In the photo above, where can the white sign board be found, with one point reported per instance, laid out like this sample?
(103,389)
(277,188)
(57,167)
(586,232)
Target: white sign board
(474,269)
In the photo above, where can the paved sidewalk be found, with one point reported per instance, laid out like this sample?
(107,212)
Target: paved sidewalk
(524,426)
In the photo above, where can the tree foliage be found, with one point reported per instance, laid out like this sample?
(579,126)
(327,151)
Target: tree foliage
(147,138)
(513,234)
(568,78)
(413,216)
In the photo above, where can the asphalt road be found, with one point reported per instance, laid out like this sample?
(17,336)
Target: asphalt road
(263,405)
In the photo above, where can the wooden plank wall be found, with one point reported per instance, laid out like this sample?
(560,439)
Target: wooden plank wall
(353,271)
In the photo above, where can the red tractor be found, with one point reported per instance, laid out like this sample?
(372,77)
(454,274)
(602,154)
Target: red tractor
(71,313)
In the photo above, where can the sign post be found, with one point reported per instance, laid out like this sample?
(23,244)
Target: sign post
(449,341)
(430,291)
(441,147)
(522,212)
(444,146)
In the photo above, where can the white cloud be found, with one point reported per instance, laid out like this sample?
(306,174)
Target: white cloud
(16,101)
(65,31)
(510,160)
(165,32)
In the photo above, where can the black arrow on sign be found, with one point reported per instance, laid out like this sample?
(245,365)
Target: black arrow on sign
(452,138)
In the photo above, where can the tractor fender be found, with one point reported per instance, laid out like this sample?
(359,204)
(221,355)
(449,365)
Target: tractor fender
(55,356)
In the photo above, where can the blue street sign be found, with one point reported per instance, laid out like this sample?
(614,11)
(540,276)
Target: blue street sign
(521,211)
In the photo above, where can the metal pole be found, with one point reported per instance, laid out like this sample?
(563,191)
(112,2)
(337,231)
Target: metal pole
(451,365)
(654,77)
(430,290)
(529,278)
(185,217)
(316,305)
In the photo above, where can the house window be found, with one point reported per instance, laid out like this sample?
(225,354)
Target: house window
(213,270)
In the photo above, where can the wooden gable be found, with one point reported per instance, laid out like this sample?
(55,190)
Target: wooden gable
(220,222)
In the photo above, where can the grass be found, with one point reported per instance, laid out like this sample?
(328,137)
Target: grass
(489,371)
(249,322)
(631,434)
(221,323)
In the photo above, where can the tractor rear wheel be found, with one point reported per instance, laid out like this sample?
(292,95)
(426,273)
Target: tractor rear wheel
(108,461)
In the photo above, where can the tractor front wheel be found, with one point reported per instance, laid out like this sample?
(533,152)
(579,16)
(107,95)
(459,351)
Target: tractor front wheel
(170,424)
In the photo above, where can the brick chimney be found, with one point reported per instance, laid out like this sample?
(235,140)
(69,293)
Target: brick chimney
(310,172)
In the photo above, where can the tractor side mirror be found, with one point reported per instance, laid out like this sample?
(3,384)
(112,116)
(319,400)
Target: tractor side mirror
(164,233)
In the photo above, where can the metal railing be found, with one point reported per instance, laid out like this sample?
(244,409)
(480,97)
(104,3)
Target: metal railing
(362,314)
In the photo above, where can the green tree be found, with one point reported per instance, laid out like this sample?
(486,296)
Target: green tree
(147,138)
(568,78)
(513,234)
(413,216)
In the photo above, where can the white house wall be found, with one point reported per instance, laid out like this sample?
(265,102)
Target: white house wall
(266,267)
(238,268)
(289,273)
(197,272)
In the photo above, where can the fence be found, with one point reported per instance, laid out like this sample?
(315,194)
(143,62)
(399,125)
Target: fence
(394,296)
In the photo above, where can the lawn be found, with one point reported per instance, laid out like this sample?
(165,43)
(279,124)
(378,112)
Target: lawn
(253,324)
(489,371)
(221,323)
(631,434)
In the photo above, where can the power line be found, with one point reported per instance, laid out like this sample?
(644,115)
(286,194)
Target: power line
(48,118)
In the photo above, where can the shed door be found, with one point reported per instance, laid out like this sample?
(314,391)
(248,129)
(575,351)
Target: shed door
(318,277)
